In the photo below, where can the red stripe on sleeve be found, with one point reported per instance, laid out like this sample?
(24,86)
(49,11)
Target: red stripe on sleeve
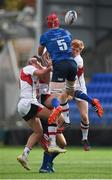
(26,77)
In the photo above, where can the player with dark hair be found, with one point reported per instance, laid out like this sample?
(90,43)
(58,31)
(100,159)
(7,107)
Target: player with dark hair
(31,110)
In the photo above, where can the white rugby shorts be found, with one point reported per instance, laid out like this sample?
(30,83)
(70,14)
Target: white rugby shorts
(24,106)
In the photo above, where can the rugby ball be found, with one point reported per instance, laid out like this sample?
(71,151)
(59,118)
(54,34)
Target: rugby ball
(70,17)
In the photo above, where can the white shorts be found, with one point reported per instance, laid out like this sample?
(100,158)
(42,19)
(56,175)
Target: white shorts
(24,106)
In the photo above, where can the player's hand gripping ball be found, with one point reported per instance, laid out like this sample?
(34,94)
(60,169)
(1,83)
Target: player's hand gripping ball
(70,17)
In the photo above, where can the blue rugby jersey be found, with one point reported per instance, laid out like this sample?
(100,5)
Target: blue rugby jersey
(58,44)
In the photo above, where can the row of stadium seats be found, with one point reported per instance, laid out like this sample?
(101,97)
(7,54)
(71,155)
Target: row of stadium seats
(99,87)
(102,77)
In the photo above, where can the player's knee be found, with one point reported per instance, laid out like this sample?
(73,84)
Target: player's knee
(37,135)
(38,132)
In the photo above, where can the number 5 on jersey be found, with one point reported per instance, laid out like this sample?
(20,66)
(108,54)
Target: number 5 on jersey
(62,44)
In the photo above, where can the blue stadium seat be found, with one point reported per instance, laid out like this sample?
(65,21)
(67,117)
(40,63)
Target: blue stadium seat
(100,87)
(102,77)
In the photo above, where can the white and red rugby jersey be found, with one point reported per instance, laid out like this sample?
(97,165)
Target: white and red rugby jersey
(28,82)
(80,80)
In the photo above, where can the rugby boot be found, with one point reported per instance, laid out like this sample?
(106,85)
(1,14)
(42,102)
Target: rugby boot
(23,161)
(86,145)
(56,149)
(97,107)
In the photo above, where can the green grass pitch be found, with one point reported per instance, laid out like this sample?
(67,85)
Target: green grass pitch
(74,164)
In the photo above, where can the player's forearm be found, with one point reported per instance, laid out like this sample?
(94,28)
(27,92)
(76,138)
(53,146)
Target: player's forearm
(40,50)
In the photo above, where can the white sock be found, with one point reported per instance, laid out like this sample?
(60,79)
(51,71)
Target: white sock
(84,129)
(65,112)
(84,134)
(26,151)
(52,135)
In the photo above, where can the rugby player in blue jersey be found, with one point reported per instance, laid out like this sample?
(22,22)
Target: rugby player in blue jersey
(57,41)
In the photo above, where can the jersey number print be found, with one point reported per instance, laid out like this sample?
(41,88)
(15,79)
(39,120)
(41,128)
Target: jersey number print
(62,44)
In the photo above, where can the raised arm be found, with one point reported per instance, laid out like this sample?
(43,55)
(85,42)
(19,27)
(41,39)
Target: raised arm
(40,50)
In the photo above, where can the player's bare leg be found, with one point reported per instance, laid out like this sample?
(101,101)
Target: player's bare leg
(83,109)
(34,137)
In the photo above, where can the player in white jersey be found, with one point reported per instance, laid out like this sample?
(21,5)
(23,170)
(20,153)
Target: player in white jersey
(31,110)
(77,47)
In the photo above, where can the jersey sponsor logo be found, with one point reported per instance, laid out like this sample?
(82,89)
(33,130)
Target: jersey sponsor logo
(60,79)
